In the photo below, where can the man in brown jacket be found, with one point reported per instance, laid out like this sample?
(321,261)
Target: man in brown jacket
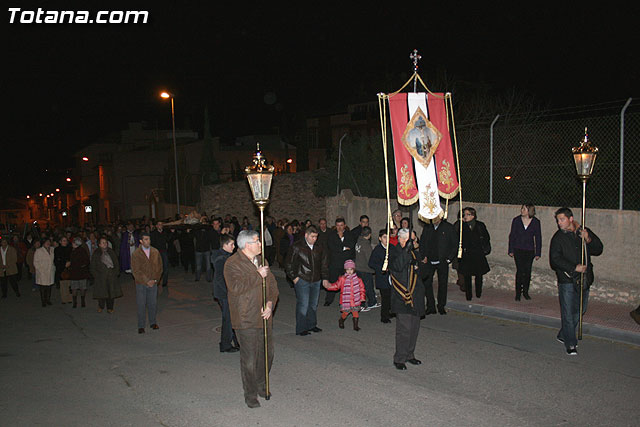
(146,267)
(8,267)
(243,276)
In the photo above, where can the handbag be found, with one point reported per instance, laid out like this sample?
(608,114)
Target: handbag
(66,274)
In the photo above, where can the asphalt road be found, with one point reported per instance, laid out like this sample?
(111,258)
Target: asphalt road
(75,367)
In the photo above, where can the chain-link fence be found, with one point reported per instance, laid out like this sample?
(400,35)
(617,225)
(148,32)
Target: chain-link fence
(532,161)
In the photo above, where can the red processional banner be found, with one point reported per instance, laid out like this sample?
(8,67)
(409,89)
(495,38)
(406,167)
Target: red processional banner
(425,165)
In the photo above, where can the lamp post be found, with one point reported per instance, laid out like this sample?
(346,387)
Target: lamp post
(259,175)
(584,157)
(167,95)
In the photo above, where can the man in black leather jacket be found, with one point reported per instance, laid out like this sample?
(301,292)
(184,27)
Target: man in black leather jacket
(565,257)
(306,265)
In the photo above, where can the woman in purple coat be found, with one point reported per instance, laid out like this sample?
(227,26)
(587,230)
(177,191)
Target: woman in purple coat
(525,244)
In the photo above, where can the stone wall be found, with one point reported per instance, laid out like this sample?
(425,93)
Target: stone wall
(292,197)
(616,270)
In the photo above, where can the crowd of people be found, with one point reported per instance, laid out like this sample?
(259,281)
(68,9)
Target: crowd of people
(349,262)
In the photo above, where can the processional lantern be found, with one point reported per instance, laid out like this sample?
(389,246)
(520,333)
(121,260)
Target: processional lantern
(584,157)
(259,175)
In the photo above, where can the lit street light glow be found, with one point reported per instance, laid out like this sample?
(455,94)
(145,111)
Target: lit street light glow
(68,179)
(165,95)
(86,159)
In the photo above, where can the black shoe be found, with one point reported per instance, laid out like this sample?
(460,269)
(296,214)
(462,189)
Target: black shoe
(571,351)
(327,304)
(517,297)
(400,366)
(252,403)
(155,326)
(414,361)
(230,350)
(442,310)
(385,320)
(561,341)
(303,333)
(141,330)
(430,311)
(526,296)
(315,329)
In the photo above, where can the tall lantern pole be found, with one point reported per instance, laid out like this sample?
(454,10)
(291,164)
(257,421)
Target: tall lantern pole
(260,175)
(584,157)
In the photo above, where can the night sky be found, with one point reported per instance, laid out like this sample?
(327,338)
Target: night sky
(67,85)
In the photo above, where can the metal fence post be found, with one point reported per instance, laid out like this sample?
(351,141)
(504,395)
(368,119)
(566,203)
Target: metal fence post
(491,158)
(621,196)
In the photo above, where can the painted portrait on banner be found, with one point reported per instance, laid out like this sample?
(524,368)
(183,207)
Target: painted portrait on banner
(421,138)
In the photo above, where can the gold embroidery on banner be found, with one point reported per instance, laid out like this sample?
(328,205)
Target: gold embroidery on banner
(429,201)
(406,181)
(445,175)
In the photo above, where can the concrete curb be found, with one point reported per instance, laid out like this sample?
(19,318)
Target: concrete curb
(598,331)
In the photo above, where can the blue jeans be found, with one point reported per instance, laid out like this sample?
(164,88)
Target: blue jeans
(569,296)
(227,335)
(202,260)
(367,278)
(307,294)
(147,302)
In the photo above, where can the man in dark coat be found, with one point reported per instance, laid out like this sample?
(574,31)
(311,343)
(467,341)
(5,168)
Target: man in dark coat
(306,266)
(227,335)
(376,261)
(341,247)
(202,237)
(438,247)
(323,232)
(572,271)
(407,299)
(160,241)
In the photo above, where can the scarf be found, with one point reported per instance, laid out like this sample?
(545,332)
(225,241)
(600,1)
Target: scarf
(406,293)
(106,259)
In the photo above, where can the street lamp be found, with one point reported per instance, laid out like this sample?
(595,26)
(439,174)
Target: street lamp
(584,156)
(259,175)
(167,95)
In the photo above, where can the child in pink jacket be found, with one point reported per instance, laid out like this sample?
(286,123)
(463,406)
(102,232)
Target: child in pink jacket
(352,294)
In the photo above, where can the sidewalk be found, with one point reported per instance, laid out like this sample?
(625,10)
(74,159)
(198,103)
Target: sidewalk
(609,321)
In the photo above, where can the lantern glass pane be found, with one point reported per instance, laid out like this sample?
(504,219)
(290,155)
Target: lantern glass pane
(260,184)
(584,163)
